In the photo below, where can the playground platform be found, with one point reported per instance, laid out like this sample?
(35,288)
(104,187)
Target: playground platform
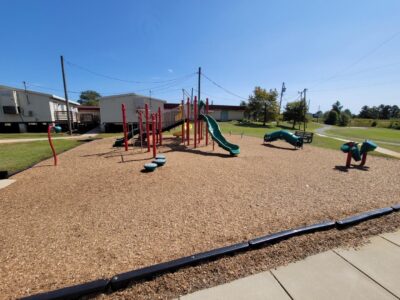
(369,272)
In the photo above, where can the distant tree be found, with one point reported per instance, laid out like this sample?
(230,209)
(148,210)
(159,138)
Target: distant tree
(365,112)
(294,111)
(332,117)
(89,97)
(395,112)
(263,104)
(348,112)
(337,106)
(385,111)
(344,119)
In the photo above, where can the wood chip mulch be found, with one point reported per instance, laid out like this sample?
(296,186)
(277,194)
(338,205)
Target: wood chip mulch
(97,214)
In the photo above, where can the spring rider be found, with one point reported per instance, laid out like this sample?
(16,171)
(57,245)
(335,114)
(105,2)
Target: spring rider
(353,151)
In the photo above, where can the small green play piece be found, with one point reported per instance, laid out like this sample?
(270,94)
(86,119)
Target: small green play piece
(150,167)
(160,162)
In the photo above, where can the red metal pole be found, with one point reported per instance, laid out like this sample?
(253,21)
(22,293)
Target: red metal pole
(188,122)
(156,127)
(51,144)
(195,121)
(206,124)
(153,130)
(348,160)
(140,128)
(160,124)
(183,121)
(124,126)
(146,107)
(363,159)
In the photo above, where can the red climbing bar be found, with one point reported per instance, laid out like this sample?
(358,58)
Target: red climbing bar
(160,124)
(348,160)
(195,120)
(156,128)
(51,144)
(183,121)
(206,124)
(140,120)
(363,159)
(188,122)
(146,107)
(153,130)
(124,126)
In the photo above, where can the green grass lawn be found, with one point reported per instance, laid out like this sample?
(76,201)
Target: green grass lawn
(257,130)
(30,135)
(18,156)
(378,134)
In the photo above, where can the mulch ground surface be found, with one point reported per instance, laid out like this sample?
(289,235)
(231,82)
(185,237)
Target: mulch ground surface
(97,214)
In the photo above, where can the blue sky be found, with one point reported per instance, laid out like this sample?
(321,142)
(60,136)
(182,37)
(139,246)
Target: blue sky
(340,50)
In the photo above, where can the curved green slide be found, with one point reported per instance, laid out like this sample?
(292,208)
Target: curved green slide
(284,135)
(215,131)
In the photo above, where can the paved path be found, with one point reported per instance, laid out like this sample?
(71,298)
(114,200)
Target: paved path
(371,272)
(90,134)
(321,132)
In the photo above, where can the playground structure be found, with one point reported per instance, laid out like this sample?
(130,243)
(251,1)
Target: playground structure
(287,136)
(196,113)
(56,129)
(353,151)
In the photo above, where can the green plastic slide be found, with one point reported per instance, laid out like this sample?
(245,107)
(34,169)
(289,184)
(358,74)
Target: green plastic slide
(215,131)
(289,137)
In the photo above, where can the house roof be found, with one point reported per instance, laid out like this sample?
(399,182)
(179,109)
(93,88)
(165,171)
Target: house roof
(55,97)
(212,107)
(130,94)
(88,107)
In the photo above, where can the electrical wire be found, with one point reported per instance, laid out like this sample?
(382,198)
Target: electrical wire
(222,88)
(124,80)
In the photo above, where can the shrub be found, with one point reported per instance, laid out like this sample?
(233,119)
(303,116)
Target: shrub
(332,118)
(344,119)
(374,123)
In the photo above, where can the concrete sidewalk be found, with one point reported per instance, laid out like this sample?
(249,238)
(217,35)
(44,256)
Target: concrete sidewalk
(371,272)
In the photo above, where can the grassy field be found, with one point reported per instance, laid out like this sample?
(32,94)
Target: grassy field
(18,156)
(30,135)
(257,130)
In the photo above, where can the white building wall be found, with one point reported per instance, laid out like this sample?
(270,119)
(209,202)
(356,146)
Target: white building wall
(110,107)
(232,114)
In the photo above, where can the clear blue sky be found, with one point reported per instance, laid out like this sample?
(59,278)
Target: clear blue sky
(339,50)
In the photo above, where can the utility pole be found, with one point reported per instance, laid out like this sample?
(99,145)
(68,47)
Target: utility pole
(26,93)
(319,109)
(305,109)
(191,97)
(66,96)
(198,86)
(150,99)
(283,89)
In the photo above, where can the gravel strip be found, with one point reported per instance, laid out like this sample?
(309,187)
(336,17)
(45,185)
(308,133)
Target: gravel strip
(94,216)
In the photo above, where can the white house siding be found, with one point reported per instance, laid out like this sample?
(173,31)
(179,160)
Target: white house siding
(35,108)
(231,115)
(110,107)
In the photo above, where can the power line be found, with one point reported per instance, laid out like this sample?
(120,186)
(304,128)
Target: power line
(222,88)
(358,60)
(124,80)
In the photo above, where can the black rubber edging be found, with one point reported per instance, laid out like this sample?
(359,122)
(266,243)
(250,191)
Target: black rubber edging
(73,292)
(396,207)
(363,217)
(283,235)
(3,174)
(122,280)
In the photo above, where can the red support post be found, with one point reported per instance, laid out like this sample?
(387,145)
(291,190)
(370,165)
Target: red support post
(195,121)
(156,127)
(160,124)
(153,130)
(188,122)
(183,121)
(124,126)
(363,159)
(348,160)
(140,120)
(146,107)
(206,124)
(51,144)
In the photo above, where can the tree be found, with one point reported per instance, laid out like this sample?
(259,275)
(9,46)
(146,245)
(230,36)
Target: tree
(332,117)
(344,119)
(395,112)
(337,106)
(89,97)
(263,104)
(294,111)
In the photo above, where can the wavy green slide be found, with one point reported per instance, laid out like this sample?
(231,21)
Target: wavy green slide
(215,131)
